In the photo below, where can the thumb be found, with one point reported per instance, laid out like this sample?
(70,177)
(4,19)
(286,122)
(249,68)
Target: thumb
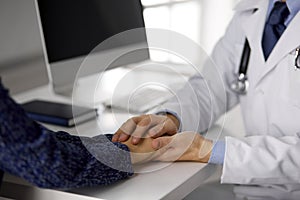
(161,142)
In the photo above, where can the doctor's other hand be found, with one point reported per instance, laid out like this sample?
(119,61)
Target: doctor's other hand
(142,152)
(146,126)
(185,146)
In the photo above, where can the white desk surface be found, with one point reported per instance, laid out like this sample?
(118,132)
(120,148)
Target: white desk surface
(174,181)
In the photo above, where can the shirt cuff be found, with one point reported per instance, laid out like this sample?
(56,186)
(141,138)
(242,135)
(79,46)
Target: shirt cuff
(165,112)
(218,153)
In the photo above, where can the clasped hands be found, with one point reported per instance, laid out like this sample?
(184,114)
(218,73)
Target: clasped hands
(155,137)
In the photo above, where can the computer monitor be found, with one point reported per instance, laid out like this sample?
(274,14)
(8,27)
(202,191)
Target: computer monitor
(71,29)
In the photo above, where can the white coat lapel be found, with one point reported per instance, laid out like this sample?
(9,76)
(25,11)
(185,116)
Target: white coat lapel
(253,24)
(289,40)
(249,4)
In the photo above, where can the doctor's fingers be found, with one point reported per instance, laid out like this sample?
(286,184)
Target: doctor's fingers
(127,128)
(161,142)
(180,140)
(183,146)
(166,127)
(144,125)
(136,126)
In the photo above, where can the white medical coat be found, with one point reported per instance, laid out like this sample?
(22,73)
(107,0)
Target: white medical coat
(270,152)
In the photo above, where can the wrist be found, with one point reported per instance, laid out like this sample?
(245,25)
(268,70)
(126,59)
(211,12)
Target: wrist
(204,151)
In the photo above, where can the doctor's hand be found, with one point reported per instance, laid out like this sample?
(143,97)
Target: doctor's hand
(143,152)
(146,126)
(185,146)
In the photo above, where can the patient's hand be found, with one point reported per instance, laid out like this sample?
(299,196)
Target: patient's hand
(142,152)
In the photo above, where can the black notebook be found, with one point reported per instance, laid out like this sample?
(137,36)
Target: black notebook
(58,113)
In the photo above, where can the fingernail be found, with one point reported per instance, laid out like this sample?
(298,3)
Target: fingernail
(122,137)
(134,140)
(114,139)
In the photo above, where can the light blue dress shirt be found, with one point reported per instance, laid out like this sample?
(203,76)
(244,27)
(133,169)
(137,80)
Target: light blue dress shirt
(293,6)
(218,152)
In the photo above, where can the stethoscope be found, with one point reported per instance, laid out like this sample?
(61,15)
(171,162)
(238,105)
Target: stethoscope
(297,59)
(241,84)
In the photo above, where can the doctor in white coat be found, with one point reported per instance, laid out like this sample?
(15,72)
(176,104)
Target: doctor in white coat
(270,151)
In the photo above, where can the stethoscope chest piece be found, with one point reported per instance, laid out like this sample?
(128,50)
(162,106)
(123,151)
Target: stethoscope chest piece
(241,85)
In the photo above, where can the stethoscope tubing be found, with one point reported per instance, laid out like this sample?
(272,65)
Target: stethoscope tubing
(245,58)
(241,84)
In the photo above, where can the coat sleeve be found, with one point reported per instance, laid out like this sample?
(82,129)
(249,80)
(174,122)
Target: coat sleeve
(207,94)
(56,159)
(261,159)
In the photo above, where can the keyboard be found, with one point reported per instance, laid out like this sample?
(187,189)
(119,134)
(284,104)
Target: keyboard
(142,100)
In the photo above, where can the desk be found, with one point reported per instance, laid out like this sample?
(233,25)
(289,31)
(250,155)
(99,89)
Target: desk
(174,181)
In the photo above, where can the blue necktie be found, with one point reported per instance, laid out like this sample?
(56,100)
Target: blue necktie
(274,27)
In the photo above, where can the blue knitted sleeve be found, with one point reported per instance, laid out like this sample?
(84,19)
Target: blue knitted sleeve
(56,159)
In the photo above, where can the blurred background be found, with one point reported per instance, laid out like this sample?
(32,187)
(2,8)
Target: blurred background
(21,58)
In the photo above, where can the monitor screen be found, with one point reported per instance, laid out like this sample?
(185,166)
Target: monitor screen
(74,28)
(72,31)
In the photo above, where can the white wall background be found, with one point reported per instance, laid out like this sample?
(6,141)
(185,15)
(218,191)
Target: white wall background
(21,59)
(19,33)
(203,21)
